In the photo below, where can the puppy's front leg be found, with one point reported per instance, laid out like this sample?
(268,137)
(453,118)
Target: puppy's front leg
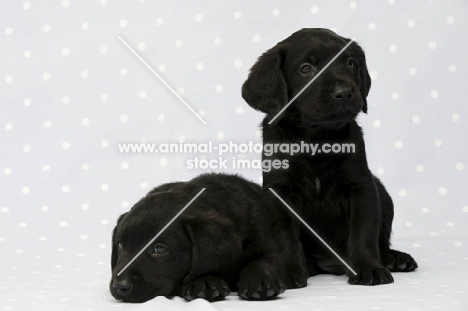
(363,249)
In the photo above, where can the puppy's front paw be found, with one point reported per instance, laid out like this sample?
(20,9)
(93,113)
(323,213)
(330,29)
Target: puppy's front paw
(371,276)
(398,261)
(296,277)
(209,287)
(259,287)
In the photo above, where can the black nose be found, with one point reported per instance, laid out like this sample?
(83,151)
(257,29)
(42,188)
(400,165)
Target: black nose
(123,287)
(342,93)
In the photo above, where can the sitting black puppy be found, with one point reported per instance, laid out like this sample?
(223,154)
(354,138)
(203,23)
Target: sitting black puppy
(220,242)
(336,194)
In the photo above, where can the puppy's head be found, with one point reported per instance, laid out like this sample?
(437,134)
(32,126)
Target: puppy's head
(337,95)
(193,245)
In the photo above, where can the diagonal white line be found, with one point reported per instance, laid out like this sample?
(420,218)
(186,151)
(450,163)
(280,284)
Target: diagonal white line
(161,79)
(315,233)
(313,79)
(162,230)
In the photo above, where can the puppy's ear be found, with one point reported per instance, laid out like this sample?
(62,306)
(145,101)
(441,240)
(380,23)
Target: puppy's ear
(215,244)
(115,253)
(265,89)
(364,77)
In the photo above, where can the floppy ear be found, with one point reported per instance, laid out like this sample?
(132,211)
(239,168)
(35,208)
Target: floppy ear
(364,77)
(115,255)
(215,244)
(265,89)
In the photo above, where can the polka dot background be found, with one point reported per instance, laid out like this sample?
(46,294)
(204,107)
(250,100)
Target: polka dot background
(70,92)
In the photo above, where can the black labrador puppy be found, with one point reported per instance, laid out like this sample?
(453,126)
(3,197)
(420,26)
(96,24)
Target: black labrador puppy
(222,241)
(336,194)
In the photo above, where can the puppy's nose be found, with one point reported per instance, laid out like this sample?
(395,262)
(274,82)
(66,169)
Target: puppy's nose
(123,287)
(342,93)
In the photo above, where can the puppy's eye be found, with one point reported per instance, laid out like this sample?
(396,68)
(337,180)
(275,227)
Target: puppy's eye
(160,249)
(351,63)
(306,68)
(120,245)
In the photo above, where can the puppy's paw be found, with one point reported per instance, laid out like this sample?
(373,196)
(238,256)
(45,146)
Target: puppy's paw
(260,287)
(398,261)
(209,287)
(371,276)
(296,277)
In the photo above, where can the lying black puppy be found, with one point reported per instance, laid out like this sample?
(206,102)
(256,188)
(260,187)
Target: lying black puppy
(336,194)
(220,242)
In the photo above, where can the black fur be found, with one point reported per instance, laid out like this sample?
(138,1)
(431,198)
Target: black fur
(220,242)
(336,194)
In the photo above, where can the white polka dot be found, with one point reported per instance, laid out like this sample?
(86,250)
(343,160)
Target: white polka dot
(65,51)
(65,189)
(46,76)
(45,208)
(8,79)
(459,166)
(104,221)
(104,187)
(449,224)
(450,19)
(123,72)
(434,94)
(442,191)
(123,23)
(159,21)
(46,168)
(124,165)
(85,206)
(65,3)
(102,246)
(374,75)
(26,5)
(180,91)
(27,102)
(353,5)
(402,193)
(217,40)
(420,168)
(219,88)
(85,26)
(179,43)
(46,28)
(408,224)
(438,142)
(201,113)
(395,96)
(103,2)
(27,54)
(42,238)
(19,251)
(161,68)
(371,26)
(256,38)
(412,71)
(411,23)
(220,135)
(163,162)
(85,167)
(237,15)
(8,31)
(85,121)
(47,124)
(392,48)
(85,74)
(238,63)
(259,133)
(455,117)
(125,204)
(160,117)
(27,149)
(458,243)
(398,144)
(391,2)
(200,66)
(103,49)
(465,209)
(416,245)
(83,237)
(65,145)
(380,170)
(65,99)
(181,138)
(275,12)
(63,224)
(415,119)
(452,68)
(425,210)
(432,45)
(7,171)
(8,126)
(239,110)
(199,17)
(4,209)
(142,46)
(124,118)
(314,9)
